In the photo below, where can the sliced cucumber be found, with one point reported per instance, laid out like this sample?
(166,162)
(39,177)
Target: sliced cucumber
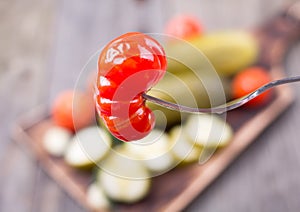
(209,131)
(183,149)
(123,179)
(122,189)
(118,163)
(56,140)
(97,198)
(153,151)
(87,147)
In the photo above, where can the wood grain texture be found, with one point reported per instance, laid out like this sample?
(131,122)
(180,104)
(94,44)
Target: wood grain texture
(264,178)
(25,28)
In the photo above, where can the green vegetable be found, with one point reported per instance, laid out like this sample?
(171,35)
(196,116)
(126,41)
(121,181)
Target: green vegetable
(87,147)
(189,90)
(183,149)
(56,140)
(96,197)
(153,151)
(208,131)
(227,51)
(122,178)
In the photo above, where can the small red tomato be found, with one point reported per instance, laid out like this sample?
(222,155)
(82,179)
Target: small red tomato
(135,127)
(73,110)
(249,80)
(184,27)
(128,66)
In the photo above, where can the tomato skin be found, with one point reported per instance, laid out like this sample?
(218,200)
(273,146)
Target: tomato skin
(184,27)
(72,110)
(138,125)
(128,66)
(249,80)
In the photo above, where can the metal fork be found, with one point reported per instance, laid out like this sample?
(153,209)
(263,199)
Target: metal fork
(227,106)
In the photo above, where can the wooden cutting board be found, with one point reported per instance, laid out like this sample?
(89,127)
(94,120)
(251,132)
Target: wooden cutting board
(174,190)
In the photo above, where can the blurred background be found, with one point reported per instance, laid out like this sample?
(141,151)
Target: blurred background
(44,45)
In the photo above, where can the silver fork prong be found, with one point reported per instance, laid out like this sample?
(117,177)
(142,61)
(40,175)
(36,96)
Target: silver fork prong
(225,107)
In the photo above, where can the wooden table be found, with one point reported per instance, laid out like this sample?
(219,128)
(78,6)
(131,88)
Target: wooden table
(45,43)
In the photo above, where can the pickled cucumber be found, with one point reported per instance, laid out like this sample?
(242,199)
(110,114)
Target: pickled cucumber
(153,151)
(227,51)
(56,140)
(208,130)
(87,147)
(189,90)
(123,179)
(96,197)
(183,149)
(123,189)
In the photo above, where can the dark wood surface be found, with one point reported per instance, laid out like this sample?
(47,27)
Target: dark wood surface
(44,45)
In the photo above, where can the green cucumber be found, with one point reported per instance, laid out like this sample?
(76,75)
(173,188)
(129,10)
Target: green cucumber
(189,90)
(183,150)
(228,52)
(209,131)
(87,147)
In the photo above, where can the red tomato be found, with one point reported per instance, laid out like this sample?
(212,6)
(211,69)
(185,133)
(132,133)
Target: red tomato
(184,27)
(128,66)
(249,80)
(73,110)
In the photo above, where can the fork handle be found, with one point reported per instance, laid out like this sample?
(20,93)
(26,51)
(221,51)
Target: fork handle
(277,35)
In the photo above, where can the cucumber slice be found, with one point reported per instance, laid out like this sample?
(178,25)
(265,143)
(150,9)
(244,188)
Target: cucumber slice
(56,140)
(183,150)
(96,197)
(153,151)
(122,189)
(209,131)
(123,179)
(119,163)
(87,147)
